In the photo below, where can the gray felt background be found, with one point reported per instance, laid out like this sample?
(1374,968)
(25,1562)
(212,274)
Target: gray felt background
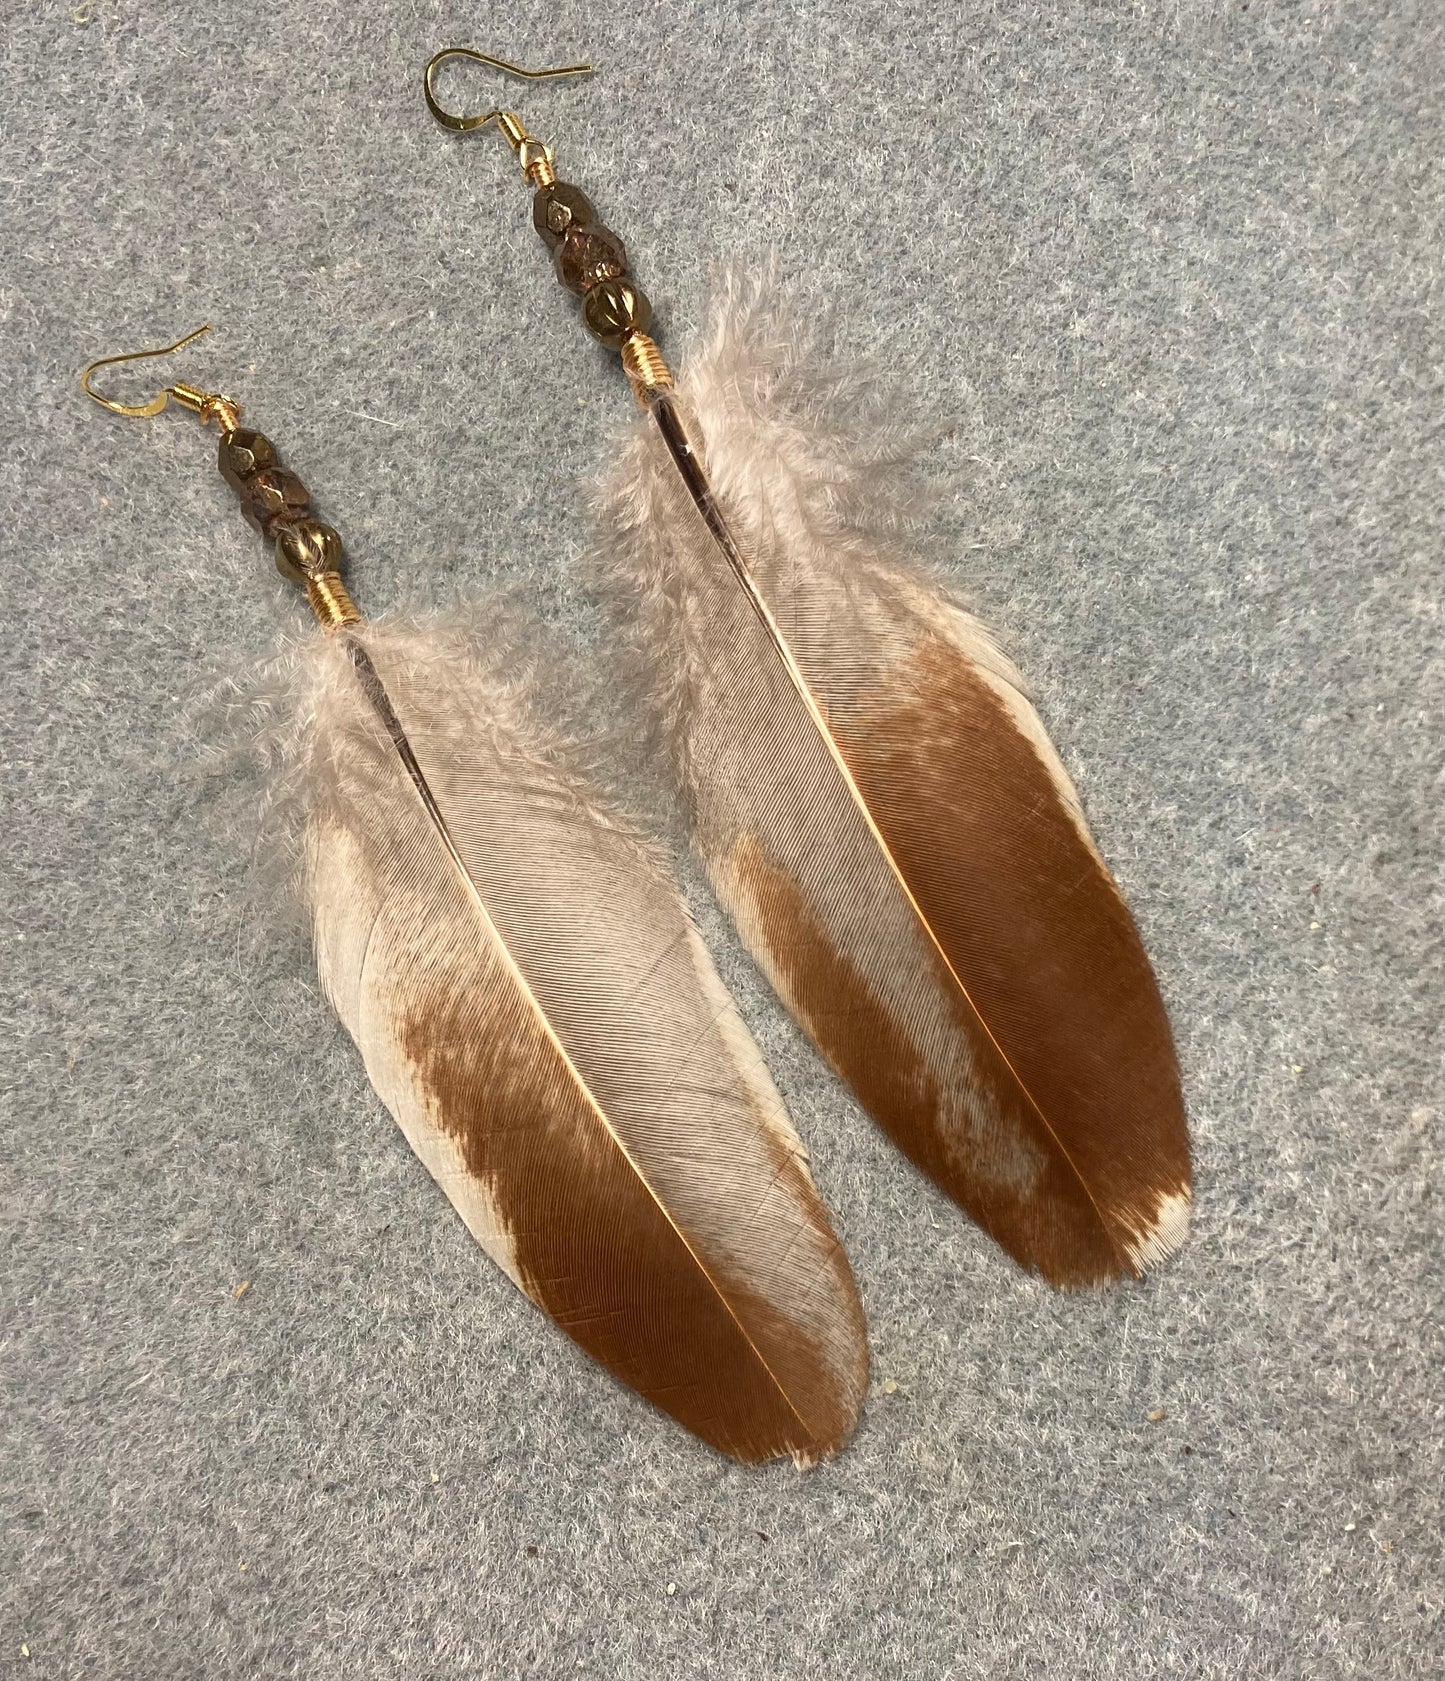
(1170,274)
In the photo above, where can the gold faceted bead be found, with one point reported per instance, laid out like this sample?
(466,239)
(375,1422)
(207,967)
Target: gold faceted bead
(306,549)
(614,310)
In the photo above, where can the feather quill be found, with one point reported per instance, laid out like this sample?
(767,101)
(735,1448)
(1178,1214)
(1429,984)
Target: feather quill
(537,1011)
(880,810)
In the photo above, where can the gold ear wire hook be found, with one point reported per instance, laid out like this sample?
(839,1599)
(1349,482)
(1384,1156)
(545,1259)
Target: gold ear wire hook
(207,404)
(508,121)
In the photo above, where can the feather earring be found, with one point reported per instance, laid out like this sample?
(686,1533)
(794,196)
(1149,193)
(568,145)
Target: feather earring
(536,1009)
(874,797)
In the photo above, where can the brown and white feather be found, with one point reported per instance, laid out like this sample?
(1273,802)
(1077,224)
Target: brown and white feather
(537,1011)
(881,811)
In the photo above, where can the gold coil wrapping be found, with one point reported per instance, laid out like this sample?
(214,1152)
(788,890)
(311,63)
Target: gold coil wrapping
(225,411)
(531,155)
(534,157)
(645,369)
(330,602)
(210,405)
(536,161)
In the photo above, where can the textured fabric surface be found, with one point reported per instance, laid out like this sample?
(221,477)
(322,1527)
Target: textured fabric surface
(1169,276)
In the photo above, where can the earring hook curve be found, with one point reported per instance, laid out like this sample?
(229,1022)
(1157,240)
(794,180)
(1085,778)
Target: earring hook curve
(136,411)
(208,404)
(461,124)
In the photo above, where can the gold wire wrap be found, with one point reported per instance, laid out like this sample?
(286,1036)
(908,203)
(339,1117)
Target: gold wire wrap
(191,396)
(536,162)
(225,411)
(514,130)
(330,602)
(210,405)
(645,369)
(534,157)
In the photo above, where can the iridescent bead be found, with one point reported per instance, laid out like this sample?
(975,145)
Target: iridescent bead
(589,254)
(273,496)
(242,453)
(556,209)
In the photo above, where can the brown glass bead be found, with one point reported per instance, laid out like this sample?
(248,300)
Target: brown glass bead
(556,209)
(273,497)
(614,310)
(587,255)
(242,453)
(307,549)
(268,494)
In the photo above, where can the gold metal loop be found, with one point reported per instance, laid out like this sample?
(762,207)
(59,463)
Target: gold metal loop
(143,411)
(510,123)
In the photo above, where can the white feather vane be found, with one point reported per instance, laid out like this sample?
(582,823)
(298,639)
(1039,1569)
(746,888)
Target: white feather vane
(880,809)
(535,1008)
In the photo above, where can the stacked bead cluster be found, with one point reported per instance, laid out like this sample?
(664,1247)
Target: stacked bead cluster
(278,505)
(591,261)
